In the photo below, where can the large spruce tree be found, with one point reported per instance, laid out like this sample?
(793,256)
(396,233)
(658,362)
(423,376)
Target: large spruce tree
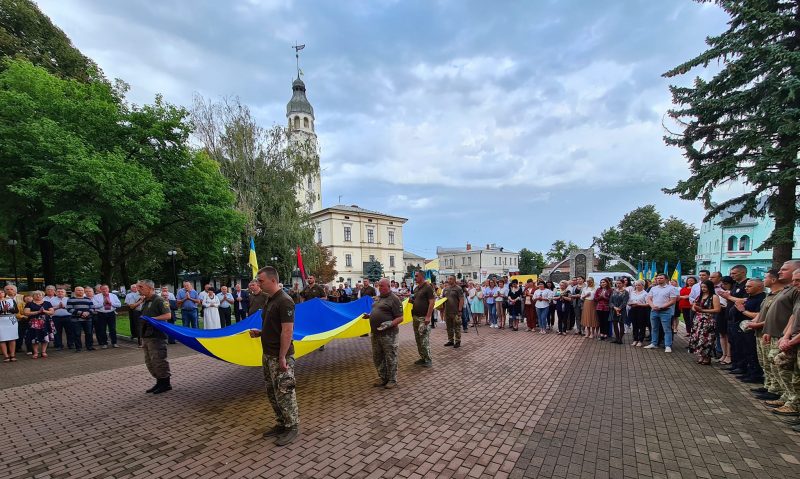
(743,124)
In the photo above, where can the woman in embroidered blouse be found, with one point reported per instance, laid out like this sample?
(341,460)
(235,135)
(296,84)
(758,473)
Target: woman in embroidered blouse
(211,312)
(9,331)
(601,297)
(530,309)
(619,310)
(40,328)
(589,315)
(639,312)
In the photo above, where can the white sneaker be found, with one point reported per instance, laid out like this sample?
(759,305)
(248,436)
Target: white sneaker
(667,349)
(650,346)
(634,343)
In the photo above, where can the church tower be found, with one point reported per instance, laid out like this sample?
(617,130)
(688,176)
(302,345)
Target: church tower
(300,117)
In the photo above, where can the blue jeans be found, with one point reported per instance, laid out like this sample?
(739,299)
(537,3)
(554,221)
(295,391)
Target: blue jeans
(189,318)
(543,315)
(492,312)
(663,317)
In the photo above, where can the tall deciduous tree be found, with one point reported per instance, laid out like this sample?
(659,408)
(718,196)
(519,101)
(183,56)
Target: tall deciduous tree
(743,124)
(560,249)
(113,176)
(264,169)
(530,262)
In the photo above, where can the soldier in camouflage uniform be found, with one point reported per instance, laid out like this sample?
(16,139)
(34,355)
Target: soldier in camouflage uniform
(278,358)
(154,342)
(386,315)
(423,300)
(453,308)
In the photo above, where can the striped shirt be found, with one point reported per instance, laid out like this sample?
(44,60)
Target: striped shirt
(77,306)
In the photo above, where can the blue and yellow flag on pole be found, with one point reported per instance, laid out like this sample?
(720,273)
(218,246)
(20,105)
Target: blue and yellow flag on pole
(253,262)
(676,275)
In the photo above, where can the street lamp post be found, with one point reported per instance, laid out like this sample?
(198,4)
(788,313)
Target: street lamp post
(172,253)
(13,244)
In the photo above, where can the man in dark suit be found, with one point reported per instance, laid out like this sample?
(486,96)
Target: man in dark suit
(242,302)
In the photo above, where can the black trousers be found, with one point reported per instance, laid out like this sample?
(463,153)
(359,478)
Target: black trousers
(641,318)
(240,314)
(566,316)
(105,321)
(225,316)
(84,327)
(22,330)
(136,324)
(602,317)
(63,325)
(688,319)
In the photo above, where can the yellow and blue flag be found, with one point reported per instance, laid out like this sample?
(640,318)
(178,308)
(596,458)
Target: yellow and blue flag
(676,275)
(253,262)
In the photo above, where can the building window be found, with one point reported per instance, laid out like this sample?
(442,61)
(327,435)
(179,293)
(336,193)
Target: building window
(347,234)
(348,260)
(305,122)
(319,235)
(391,261)
(372,258)
(391,236)
(744,243)
(469,260)
(474,275)
(463,261)
(732,243)
(370,235)
(297,122)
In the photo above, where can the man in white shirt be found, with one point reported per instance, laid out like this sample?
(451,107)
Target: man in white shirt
(226,302)
(661,299)
(105,305)
(62,319)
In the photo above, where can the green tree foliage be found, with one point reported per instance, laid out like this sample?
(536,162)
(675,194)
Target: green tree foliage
(27,33)
(742,124)
(644,234)
(560,250)
(117,178)
(373,270)
(530,262)
(264,169)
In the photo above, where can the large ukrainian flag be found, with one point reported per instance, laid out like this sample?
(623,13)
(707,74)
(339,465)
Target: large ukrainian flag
(317,323)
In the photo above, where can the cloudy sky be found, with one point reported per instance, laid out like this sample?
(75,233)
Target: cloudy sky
(516,123)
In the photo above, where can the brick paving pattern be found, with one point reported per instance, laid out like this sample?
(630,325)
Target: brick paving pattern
(507,404)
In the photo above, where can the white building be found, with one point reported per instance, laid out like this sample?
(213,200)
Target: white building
(356,236)
(300,118)
(477,264)
(411,260)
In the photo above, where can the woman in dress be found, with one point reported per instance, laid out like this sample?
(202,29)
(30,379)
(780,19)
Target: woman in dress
(619,310)
(704,338)
(9,331)
(476,304)
(530,309)
(639,313)
(589,315)
(514,305)
(601,298)
(211,312)
(40,328)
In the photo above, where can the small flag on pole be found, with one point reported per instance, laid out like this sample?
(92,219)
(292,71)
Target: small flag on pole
(300,264)
(253,262)
(676,275)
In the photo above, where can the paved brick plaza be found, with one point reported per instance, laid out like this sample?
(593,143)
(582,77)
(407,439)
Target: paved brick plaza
(505,405)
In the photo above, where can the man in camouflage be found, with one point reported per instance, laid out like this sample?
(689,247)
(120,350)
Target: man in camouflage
(386,315)
(154,342)
(367,290)
(423,300)
(453,308)
(278,356)
(313,290)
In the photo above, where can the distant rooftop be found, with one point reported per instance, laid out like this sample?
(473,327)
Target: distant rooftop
(355,209)
(469,247)
(410,255)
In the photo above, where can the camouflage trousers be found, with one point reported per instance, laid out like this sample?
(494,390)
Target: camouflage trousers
(280,387)
(384,354)
(423,339)
(453,322)
(762,350)
(788,381)
(155,357)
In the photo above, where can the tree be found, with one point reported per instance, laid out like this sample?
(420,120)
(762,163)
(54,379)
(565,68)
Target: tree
(115,177)
(25,32)
(560,250)
(742,124)
(530,262)
(373,270)
(264,168)
(325,265)
(643,235)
